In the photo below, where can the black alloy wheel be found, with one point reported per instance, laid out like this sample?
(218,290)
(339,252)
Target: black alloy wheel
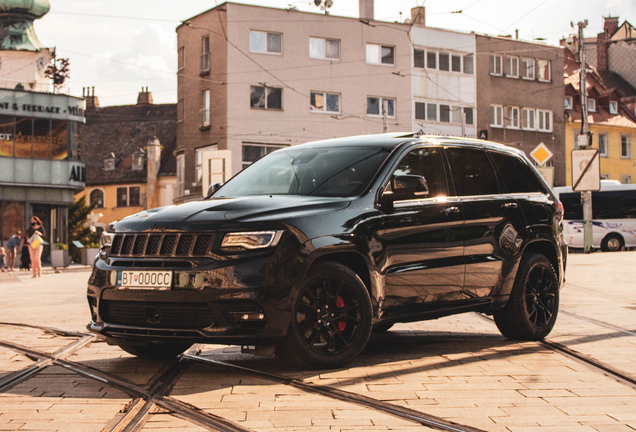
(331,320)
(533,306)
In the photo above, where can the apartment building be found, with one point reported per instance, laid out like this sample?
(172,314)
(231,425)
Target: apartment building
(254,79)
(520,95)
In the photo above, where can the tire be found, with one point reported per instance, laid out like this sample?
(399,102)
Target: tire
(532,309)
(612,243)
(154,350)
(331,319)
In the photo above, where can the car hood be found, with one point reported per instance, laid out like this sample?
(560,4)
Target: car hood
(219,213)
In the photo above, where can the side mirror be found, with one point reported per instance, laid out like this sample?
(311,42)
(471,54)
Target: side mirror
(407,187)
(212,189)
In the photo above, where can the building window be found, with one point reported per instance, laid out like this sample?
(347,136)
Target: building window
(569,102)
(626,179)
(325,102)
(180,110)
(496,115)
(180,175)
(375,106)
(468,64)
(543,70)
(418,58)
(468,114)
(512,117)
(97,198)
(199,158)
(444,113)
(626,146)
(252,153)
(444,62)
(604,176)
(511,66)
(431,112)
(138,160)
(109,162)
(205,108)
(266,43)
(181,57)
(495,64)
(545,120)
(431,59)
(205,54)
(527,68)
(326,49)
(450,114)
(380,54)
(602,143)
(613,107)
(456,63)
(128,196)
(420,111)
(591,105)
(266,97)
(528,119)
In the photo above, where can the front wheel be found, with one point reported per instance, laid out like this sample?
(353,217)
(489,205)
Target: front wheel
(331,318)
(154,350)
(534,301)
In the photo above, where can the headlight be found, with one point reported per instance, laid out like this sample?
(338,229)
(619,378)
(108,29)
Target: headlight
(106,239)
(251,240)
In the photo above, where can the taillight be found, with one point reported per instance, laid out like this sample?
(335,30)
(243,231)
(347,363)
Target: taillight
(560,209)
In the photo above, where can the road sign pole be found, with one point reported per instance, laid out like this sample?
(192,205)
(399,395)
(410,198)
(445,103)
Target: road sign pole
(587,215)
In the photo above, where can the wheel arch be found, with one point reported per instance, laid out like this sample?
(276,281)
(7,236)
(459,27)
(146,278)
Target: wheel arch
(547,249)
(353,260)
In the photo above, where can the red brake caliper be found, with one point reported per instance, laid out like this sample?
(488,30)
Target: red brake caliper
(340,303)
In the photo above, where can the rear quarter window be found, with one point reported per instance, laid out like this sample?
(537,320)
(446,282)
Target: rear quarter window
(516,175)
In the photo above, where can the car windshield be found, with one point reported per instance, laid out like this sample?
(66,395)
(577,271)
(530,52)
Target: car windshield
(333,172)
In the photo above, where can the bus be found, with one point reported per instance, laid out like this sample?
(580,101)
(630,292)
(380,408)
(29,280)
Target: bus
(613,216)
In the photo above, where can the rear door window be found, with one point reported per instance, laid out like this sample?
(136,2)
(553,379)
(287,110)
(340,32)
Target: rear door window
(473,173)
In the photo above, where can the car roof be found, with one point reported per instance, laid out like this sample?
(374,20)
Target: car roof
(393,140)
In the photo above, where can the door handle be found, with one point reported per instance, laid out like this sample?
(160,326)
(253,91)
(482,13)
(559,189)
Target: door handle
(510,205)
(449,210)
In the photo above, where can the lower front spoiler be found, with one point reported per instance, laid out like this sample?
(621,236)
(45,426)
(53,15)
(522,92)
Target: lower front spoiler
(118,334)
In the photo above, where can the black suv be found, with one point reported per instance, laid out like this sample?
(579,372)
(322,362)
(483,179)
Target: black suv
(313,247)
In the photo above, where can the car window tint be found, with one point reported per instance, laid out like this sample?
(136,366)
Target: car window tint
(516,176)
(425,162)
(472,172)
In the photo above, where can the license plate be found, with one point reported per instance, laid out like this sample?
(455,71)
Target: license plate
(149,279)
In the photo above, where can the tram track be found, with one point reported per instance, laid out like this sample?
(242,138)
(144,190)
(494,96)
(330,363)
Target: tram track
(597,365)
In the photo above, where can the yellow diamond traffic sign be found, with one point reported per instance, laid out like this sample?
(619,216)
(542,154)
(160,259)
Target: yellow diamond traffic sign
(541,154)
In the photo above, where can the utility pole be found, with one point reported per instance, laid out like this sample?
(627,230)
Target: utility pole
(584,140)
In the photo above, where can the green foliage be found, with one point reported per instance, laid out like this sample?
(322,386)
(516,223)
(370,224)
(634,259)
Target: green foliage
(77,229)
(61,246)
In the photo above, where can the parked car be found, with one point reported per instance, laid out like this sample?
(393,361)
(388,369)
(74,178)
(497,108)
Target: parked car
(312,247)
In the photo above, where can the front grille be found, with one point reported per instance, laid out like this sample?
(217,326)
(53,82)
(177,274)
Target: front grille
(156,314)
(161,245)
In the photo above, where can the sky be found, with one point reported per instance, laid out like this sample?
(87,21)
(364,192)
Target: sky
(120,46)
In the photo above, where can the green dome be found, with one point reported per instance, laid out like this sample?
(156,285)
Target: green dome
(35,8)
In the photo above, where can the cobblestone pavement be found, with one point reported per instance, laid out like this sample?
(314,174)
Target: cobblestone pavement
(457,369)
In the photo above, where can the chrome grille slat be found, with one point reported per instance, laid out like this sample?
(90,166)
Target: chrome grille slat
(178,245)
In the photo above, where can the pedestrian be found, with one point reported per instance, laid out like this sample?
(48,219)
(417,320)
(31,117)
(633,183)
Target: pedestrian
(3,266)
(11,245)
(35,234)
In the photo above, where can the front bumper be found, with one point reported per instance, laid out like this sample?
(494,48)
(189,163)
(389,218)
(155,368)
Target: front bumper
(235,301)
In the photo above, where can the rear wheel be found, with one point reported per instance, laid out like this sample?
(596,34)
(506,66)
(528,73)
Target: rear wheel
(154,350)
(331,318)
(612,243)
(534,301)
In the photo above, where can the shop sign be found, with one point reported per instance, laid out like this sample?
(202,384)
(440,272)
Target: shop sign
(41,105)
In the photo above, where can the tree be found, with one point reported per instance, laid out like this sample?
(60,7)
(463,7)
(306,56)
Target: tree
(77,228)
(58,70)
